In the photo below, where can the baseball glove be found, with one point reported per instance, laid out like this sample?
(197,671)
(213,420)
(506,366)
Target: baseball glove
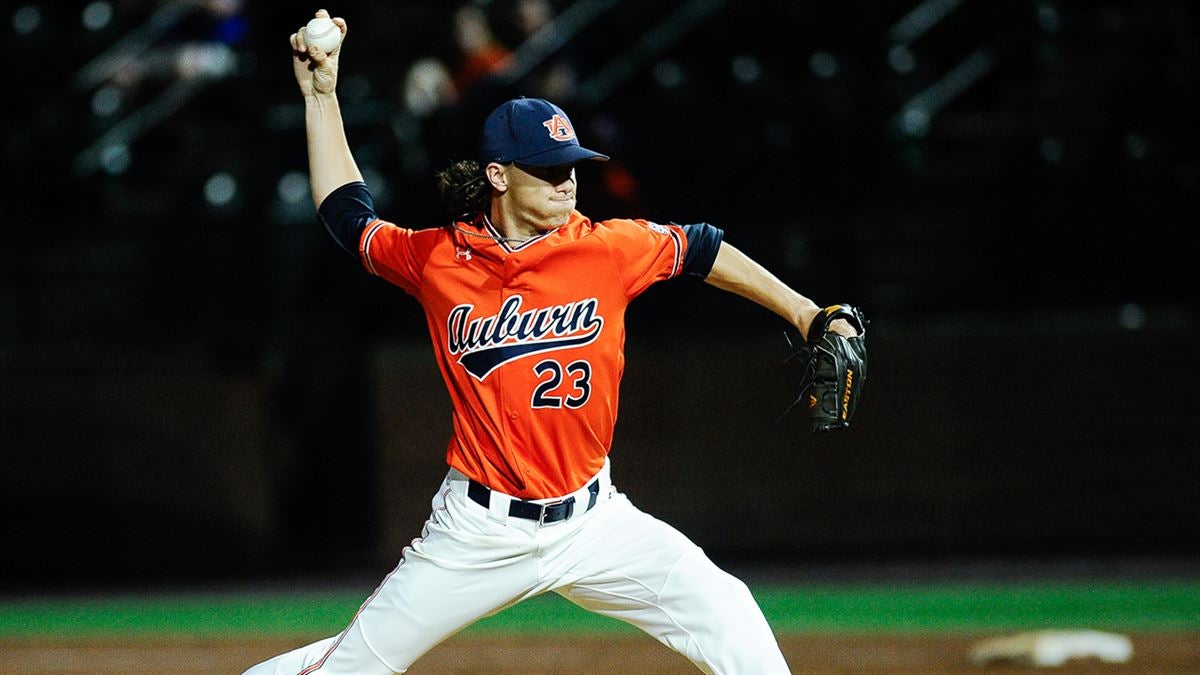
(835,369)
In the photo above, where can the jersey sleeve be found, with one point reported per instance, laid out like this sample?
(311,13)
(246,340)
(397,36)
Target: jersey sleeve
(388,251)
(645,252)
(346,212)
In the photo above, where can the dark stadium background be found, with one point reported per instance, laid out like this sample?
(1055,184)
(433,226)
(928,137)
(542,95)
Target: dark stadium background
(197,385)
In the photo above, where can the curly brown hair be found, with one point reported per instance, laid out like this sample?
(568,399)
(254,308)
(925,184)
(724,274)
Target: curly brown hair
(464,188)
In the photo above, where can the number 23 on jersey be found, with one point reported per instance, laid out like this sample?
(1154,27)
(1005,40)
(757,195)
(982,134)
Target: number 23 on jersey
(550,392)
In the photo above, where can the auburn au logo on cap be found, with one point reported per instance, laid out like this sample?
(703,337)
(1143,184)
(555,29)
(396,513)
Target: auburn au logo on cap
(559,128)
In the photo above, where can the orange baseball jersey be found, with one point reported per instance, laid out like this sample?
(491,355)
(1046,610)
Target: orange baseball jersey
(529,338)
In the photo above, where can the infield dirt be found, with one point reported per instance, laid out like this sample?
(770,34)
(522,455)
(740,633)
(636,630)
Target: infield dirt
(504,655)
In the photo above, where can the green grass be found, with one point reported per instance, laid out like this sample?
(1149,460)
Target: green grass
(790,609)
(970,607)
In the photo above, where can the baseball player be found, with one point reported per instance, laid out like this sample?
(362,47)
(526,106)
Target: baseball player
(524,298)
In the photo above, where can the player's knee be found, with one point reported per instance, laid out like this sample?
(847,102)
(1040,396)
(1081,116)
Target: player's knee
(707,589)
(740,640)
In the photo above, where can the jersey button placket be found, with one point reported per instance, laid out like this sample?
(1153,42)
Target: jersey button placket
(508,400)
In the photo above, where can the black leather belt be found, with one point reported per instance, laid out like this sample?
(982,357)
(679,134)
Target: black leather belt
(542,513)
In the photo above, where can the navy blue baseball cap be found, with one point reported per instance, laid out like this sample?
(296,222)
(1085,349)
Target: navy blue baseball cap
(534,132)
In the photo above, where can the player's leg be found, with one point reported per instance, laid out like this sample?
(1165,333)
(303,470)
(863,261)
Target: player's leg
(633,567)
(463,568)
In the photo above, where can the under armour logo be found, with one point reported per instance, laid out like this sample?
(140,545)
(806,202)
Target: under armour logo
(559,128)
(462,254)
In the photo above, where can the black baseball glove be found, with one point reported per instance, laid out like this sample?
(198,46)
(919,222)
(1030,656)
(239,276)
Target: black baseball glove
(835,369)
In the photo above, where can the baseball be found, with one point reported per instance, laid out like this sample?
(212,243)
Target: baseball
(323,34)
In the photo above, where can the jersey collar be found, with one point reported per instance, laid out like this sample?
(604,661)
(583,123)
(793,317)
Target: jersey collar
(578,225)
(513,246)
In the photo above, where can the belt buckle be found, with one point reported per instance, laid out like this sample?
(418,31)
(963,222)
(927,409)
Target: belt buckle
(569,502)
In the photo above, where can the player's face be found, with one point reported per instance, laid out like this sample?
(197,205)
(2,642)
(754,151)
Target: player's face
(544,196)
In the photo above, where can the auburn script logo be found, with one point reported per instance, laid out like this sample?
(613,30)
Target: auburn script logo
(559,128)
(486,343)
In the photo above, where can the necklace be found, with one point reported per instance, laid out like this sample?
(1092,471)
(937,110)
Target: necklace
(493,237)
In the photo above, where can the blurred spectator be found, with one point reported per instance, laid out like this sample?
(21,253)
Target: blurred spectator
(481,53)
(556,79)
(428,86)
(198,43)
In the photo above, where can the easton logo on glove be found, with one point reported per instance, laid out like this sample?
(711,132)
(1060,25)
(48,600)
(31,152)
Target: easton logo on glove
(835,369)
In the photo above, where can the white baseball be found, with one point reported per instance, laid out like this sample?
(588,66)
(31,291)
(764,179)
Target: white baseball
(323,34)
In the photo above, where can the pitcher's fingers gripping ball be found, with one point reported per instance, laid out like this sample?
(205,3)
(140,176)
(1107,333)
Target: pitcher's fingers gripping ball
(835,369)
(316,47)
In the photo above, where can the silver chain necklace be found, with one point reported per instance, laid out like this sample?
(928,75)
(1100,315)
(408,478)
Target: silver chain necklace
(494,237)
(483,235)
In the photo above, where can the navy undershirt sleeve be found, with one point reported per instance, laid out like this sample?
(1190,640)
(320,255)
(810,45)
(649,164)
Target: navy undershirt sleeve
(346,212)
(704,241)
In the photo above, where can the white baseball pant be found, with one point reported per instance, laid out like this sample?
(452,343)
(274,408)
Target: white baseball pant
(613,559)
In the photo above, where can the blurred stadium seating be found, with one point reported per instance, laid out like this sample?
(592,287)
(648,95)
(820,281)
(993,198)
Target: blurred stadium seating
(1003,170)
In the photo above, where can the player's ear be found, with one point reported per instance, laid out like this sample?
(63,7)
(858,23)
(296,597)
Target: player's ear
(497,175)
